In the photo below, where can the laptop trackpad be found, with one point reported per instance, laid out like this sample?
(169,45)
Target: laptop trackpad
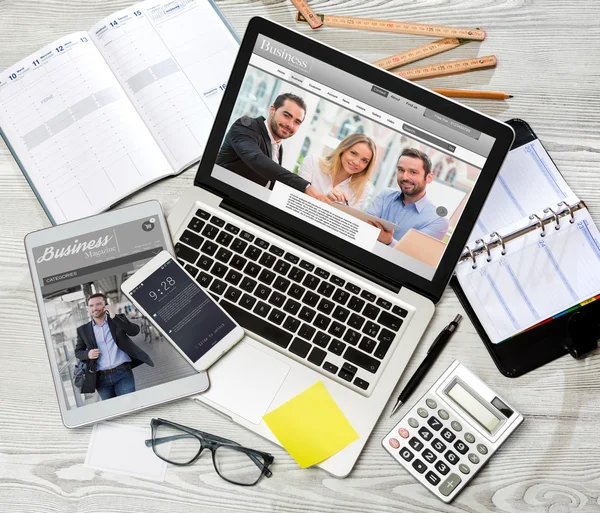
(245,381)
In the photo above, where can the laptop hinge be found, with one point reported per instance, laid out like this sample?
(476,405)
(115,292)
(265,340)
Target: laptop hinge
(310,246)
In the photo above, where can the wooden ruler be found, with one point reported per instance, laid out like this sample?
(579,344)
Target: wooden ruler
(398,27)
(448,68)
(421,52)
(308,15)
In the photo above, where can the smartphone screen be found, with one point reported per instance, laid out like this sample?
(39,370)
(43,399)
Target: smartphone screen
(183,310)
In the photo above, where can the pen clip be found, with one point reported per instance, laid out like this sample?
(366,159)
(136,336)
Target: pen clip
(452,326)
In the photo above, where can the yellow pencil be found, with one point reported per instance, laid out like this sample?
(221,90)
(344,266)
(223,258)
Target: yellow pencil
(466,93)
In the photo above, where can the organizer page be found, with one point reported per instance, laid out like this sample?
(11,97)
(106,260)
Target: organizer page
(78,138)
(173,59)
(527,183)
(538,278)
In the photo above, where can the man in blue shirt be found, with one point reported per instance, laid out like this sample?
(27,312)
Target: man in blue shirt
(409,207)
(105,344)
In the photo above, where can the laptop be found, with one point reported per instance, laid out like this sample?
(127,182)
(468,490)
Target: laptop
(322,295)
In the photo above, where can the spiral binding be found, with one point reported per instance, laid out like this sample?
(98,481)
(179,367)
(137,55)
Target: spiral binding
(553,216)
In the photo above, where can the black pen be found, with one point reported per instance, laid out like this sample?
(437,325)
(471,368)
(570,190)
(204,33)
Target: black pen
(432,354)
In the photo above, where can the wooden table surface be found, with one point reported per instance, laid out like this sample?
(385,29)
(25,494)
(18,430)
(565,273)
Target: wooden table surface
(548,54)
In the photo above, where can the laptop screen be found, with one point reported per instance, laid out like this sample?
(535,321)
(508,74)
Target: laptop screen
(358,161)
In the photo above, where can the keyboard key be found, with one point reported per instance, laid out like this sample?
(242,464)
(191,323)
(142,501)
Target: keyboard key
(352,337)
(432,478)
(257,325)
(350,287)
(291,258)
(233,294)
(361,359)
(451,457)
(371,329)
(325,289)
(434,423)
(247,284)
(307,265)
(210,231)
(371,311)
(390,321)
(384,303)
(276,251)
(223,255)
(448,435)
(306,331)
(261,243)
(326,306)
(341,296)
(337,280)
(369,296)
(442,468)
(322,273)
(311,281)
(262,309)
(217,221)
(267,260)
(233,277)
(282,267)
(419,466)
(316,356)
(296,291)
(428,456)
(361,383)
(192,270)
(191,239)
(277,299)
(345,375)
(276,316)
(329,367)
(340,313)
(398,310)
(252,253)
(461,447)
(356,321)
(292,306)
(296,274)
(337,329)
(224,238)
(218,287)
(205,262)
(292,324)
(247,301)
(232,229)
(307,314)
(310,298)
(356,303)
(281,284)
(204,279)
(348,367)
(239,245)
(322,339)
(382,349)
(367,344)
(425,434)
(337,347)
(196,224)
(262,291)
(267,276)
(252,269)
(209,248)
(386,336)
(188,254)
(238,262)
(204,215)
(248,236)
(415,443)
(219,269)
(438,445)
(322,321)
(406,454)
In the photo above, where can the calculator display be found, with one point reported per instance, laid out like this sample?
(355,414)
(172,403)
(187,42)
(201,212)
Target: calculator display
(474,407)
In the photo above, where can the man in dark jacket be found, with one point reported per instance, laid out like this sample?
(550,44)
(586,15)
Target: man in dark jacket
(253,146)
(104,344)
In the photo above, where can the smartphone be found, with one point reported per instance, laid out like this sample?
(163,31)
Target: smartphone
(182,311)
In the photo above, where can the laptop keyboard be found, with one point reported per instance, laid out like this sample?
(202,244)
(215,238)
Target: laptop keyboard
(330,324)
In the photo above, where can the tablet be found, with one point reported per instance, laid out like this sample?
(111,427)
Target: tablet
(77,269)
(363,216)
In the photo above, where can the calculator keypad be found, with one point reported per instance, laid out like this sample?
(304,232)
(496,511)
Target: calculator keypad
(434,447)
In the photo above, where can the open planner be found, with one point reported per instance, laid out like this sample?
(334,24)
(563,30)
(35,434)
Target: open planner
(97,115)
(533,256)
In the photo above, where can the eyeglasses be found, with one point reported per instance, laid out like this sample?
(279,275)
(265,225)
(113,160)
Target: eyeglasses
(181,445)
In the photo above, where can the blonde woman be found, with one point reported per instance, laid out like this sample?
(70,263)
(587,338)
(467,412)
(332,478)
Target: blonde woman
(345,174)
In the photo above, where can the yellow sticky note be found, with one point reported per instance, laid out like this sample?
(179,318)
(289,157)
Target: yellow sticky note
(311,426)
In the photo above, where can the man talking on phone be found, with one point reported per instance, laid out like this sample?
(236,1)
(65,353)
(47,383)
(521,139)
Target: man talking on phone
(104,343)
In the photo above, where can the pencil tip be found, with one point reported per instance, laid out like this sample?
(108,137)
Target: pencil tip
(510,96)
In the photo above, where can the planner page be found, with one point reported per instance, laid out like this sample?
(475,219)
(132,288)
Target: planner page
(173,59)
(538,277)
(76,135)
(527,183)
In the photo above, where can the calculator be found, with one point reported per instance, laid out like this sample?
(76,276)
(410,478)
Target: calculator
(452,431)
